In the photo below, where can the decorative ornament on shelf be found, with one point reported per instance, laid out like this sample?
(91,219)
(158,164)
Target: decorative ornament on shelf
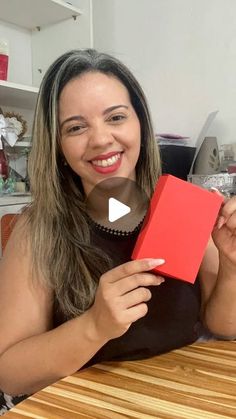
(16,122)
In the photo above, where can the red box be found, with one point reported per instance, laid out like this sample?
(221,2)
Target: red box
(177,227)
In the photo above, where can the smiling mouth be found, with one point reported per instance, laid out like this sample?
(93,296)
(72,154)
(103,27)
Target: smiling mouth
(106,162)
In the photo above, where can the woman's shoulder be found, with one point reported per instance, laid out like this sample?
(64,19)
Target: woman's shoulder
(22,296)
(18,234)
(17,256)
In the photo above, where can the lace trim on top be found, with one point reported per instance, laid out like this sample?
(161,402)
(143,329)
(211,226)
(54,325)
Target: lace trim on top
(115,232)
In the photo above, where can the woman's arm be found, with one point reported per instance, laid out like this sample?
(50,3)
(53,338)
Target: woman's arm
(32,353)
(218,275)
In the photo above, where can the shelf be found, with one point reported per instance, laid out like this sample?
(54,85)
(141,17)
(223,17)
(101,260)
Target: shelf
(25,144)
(32,14)
(16,199)
(19,143)
(17,95)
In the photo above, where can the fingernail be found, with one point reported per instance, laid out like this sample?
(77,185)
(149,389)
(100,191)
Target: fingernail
(216,191)
(160,280)
(155,262)
(212,189)
(220,222)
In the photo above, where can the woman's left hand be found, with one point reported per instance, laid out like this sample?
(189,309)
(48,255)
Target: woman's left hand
(224,233)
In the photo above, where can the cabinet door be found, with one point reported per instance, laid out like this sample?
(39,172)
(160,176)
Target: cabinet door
(8,209)
(52,41)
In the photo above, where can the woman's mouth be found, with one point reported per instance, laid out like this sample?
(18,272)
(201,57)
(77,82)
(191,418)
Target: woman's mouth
(108,165)
(107,162)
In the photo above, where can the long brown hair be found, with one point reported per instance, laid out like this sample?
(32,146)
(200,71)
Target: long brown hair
(59,230)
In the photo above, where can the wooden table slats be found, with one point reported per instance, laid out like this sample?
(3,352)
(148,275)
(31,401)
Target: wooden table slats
(194,382)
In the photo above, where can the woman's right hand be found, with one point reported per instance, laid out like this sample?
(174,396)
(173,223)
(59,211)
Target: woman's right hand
(121,297)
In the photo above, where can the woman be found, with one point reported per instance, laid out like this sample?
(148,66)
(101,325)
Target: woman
(68,289)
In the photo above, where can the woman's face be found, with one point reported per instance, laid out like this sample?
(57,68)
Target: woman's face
(100,131)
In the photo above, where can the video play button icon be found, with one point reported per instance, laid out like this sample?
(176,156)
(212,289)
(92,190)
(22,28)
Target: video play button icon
(117,209)
(117,204)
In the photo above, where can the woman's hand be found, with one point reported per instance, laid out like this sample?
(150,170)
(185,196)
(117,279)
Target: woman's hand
(218,277)
(122,295)
(224,233)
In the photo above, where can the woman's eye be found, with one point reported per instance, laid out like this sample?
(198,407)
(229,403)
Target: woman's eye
(75,129)
(117,118)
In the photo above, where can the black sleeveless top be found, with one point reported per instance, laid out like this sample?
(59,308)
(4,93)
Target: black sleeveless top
(172,320)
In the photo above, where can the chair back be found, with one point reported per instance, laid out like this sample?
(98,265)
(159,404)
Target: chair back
(7,223)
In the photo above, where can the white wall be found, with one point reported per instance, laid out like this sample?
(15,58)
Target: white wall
(184,54)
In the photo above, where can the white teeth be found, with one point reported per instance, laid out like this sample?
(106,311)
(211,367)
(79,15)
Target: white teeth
(108,162)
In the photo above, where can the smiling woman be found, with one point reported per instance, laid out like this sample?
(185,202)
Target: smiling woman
(96,114)
(87,301)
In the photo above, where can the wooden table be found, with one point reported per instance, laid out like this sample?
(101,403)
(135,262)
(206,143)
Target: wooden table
(198,381)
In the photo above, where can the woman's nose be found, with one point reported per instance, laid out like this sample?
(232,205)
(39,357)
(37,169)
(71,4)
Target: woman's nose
(100,136)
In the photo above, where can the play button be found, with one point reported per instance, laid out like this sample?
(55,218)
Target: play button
(116,210)
(117,204)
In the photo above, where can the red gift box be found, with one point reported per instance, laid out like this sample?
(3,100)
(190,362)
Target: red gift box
(177,227)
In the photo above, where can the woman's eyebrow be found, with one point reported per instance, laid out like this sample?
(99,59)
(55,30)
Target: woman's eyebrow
(112,108)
